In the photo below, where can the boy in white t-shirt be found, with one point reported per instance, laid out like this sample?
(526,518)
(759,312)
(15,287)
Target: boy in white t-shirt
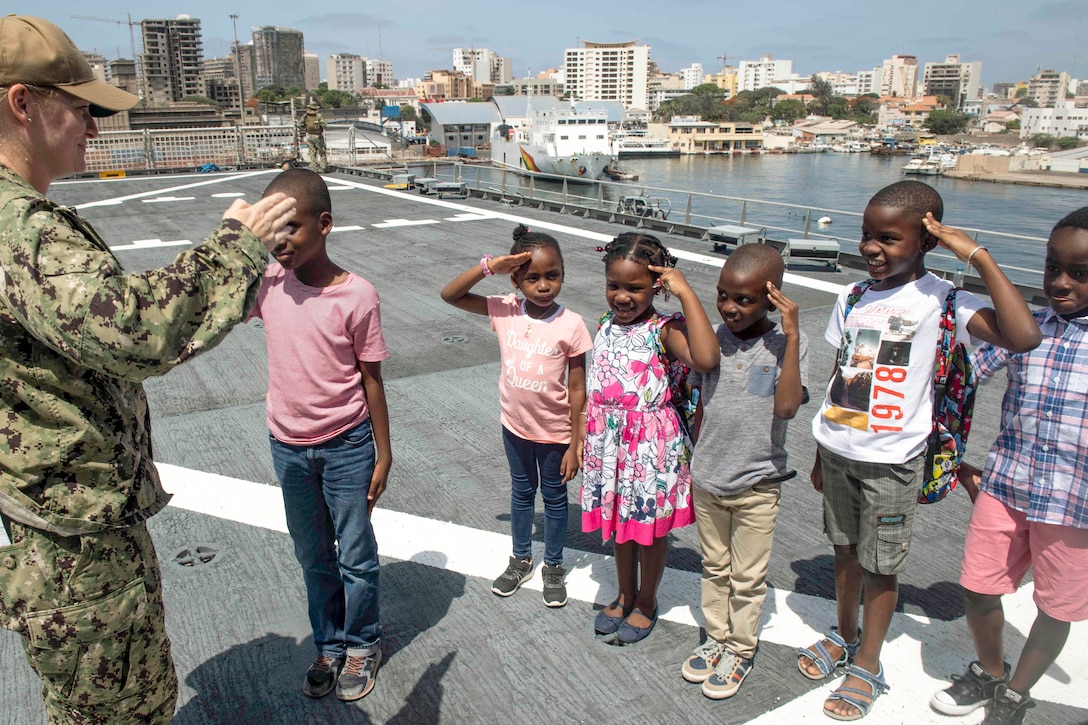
(872,427)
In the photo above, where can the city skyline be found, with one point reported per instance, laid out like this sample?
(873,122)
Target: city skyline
(1010,39)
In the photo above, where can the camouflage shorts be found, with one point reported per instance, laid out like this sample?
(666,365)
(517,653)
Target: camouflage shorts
(91,615)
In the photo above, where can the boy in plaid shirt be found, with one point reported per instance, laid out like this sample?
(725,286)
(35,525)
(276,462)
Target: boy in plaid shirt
(1032,507)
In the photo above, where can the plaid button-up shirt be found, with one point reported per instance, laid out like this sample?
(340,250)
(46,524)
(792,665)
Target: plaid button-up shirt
(1039,462)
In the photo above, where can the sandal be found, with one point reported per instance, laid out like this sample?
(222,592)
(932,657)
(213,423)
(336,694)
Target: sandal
(607,624)
(860,699)
(820,655)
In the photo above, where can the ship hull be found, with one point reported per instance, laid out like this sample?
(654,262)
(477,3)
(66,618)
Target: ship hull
(526,158)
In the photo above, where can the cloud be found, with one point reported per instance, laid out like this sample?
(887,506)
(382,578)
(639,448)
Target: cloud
(344,21)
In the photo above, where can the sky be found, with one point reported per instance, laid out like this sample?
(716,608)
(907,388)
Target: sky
(1011,38)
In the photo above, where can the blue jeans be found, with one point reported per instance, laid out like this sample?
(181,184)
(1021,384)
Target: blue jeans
(531,464)
(324,492)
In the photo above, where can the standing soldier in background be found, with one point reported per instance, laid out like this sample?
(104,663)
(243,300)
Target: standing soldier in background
(80,579)
(313,123)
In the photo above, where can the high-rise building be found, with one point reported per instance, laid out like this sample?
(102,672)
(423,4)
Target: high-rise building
(958,81)
(311,70)
(221,81)
(99,66)
(608,72)
(899,76)
(755,74)
(278,54)
(1047,87)
(123,75)
(1003,90)
(172,58)
(692,76)
(345,72)
(379,73)
(869,81)
(483,65)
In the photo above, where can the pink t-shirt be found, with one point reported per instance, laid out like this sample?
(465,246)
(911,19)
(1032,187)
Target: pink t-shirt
(533,383)
(316,337)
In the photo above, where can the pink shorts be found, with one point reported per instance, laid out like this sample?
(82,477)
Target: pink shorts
(1001,545)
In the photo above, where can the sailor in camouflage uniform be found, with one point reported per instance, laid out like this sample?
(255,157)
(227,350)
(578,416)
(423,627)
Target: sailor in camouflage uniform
(80,580)
(313,123)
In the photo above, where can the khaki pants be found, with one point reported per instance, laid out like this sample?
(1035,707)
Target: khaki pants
(91,615)
(736,533)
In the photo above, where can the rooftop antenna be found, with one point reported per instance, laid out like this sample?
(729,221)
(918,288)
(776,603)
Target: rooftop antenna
(380,55)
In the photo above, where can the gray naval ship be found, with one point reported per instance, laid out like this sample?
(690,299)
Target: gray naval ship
(454,652)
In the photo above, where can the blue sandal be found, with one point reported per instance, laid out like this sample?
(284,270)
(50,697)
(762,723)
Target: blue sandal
(860,699)
(821,655)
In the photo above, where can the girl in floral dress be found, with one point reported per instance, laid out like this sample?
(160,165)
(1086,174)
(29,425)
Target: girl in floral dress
(636,480)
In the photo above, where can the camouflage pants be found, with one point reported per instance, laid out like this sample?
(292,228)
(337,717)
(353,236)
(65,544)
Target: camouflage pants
(319,161)
(91,615)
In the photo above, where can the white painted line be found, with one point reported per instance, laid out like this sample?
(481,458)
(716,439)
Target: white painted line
(120,179)
(468,217)
(793,279)
(228,194)
(389,223)
(918,657)
(160,192)
(167,198)
(345,229)
(341,188)
(149,244)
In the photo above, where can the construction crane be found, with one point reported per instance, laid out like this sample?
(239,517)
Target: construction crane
(723,58)
(129,23)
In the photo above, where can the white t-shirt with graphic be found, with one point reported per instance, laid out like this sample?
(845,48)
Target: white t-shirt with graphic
(879,403)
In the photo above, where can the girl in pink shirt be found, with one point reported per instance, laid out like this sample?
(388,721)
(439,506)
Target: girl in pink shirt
(542,392)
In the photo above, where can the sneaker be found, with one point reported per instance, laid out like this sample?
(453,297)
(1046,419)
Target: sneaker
(360,671)
(700,666)
(728,676)
(555,591)
(321,677)
(518,571)
(969,691)
(1007,707)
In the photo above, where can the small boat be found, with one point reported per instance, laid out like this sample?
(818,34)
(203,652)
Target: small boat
(924,167)
(618,174)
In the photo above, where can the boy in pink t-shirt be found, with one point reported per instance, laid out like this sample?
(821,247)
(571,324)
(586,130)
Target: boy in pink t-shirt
(329,429)
(542,392)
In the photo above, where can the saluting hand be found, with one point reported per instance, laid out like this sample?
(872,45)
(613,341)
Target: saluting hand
(671,280)
(509,263)
(266,218)
(786,306)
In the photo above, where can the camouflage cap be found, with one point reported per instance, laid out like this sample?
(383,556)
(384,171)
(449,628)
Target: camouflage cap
(313,106)
(37,52)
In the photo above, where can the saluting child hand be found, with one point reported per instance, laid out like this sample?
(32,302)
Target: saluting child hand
(671,280)
(509,263)
(786,306)
(955,240)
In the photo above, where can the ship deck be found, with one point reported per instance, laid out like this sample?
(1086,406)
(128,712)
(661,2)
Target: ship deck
(454,652)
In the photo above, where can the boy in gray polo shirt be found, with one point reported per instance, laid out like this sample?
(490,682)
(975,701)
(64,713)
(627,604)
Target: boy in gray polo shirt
(739,460)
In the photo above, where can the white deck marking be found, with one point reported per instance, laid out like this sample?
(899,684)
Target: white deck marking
(468,217)
(182,187)
(389,223)
(919,656)
(350,228)
(149,244)
(793,279)
(160,199)
(228,194)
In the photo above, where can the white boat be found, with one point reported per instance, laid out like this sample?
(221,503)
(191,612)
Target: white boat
(924,167)
(634,145)
(562,141)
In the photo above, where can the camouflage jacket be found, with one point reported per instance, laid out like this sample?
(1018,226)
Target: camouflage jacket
(77,337)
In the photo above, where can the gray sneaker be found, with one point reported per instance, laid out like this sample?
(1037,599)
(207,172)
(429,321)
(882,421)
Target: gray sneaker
(321,677)
(518,571)
(555,591)
(359,673)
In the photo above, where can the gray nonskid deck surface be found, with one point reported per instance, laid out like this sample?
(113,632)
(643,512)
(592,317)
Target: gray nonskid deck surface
(455,652)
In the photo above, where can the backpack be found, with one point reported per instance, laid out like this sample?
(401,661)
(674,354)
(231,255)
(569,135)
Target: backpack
(682,396)
(955,384)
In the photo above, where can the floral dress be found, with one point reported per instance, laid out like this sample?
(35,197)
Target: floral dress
(636,473)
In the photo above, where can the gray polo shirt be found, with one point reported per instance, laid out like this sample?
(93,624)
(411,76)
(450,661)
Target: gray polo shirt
(741,442)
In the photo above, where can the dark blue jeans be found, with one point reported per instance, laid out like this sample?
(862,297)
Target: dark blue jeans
(324,492)
(533,464)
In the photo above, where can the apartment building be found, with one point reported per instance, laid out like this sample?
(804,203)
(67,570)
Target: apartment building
(278,54)
(755,74)
(311,65)
(1048,87)
(692,135)
(899,76)
(345,72)
(608,72)
(958,80)
(483,65)
(1061,119)
(692,76)
(379,73)
(869,81)
(172,58)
